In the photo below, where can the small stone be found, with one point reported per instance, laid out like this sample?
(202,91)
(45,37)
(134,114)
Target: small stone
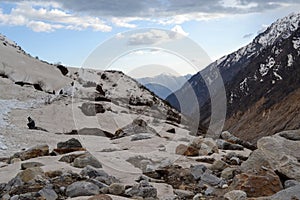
(92,172)
(184,194)
(197,171)
(116,189)
(224,186)
(30,165)
(85,160)
(236,195)
(218,165)
(143,189)
(186,150)
(48,194)
(209,178)
(82,188)
(209,191)
(70,157)
(141,136)
(228,173)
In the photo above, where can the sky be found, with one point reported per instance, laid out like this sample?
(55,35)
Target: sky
(136,33)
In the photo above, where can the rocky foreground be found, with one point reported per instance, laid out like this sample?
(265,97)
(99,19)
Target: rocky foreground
(272,171)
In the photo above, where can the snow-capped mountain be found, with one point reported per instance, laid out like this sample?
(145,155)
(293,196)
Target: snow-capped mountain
(164,84)
(257,78)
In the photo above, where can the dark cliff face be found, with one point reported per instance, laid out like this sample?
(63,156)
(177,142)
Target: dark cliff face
(264,72)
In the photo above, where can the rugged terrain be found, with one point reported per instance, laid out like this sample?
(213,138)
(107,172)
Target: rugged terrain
(102,135)
(261,82)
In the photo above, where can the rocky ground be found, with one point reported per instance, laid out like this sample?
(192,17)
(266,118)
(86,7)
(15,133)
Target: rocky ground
(101,135)
(221,169)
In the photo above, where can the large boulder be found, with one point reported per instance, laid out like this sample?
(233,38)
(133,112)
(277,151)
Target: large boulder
(68,146)
(279,152)
(31,174)
(82,188)
(291,193)
(33,152)
(91,109)
(265,183)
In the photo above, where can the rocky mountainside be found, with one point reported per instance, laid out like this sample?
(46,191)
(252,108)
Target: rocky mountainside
(261,81)
(101,135)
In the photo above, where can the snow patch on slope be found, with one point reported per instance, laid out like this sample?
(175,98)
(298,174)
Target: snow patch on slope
(264,68)
(290,60)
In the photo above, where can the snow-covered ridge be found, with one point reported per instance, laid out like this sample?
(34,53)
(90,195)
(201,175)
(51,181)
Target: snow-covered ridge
(282,28)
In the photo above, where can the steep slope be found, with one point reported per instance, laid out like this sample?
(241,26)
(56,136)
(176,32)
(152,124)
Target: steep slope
(257,77)
(23,69)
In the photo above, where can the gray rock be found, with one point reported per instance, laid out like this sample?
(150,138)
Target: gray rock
(31,174)
(184,194)
(209,191)
(143,189)
(276,153)
(70,144)
(6,197)
(287,194)
(222,144)
(206,146)
(98,183)
(291,135)
(85,160)
(236,195)
(228,173)
(197,171)
(48,193)
(15,197)
(82,188)
(92,172)
(116,189)
(141,136)
(218,165)
(290,183)
(209,178)
(30,165)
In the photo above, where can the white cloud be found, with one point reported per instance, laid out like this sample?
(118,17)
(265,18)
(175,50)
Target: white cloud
(180,19)
(48,17)
(101,15)
(150,37)
(178,29)
(39,26)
